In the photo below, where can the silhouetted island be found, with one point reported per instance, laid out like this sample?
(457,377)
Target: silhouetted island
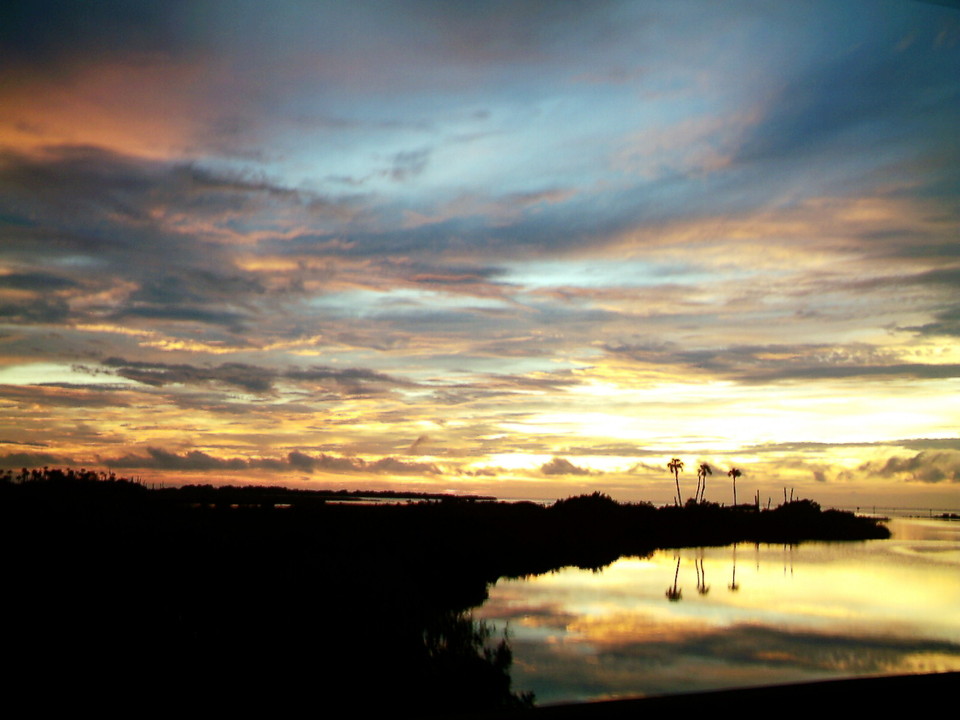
(265,597)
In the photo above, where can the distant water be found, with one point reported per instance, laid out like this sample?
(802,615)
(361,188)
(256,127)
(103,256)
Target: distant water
(707,618)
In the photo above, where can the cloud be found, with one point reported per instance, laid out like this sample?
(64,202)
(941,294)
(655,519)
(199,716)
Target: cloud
(349,381)
(928,466)
(394,466)
(197,286)
(947,278)
(946,323)
(38,282)
(409,164)
(66,395)
(420,442)
(930,443)
(560,466)
(33,460)
(246,377)
(27,444)
(485,386)
(34,311)
(352,382)
(912,443)
(917,371)
(88,198)
(451,277)
(191,460)
(810,651)
(760,364)
(863,92)
(109,223)
(50,33)
(196,460)
(181,313)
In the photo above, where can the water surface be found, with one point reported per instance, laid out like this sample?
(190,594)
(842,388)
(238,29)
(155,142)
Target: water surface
(706,618)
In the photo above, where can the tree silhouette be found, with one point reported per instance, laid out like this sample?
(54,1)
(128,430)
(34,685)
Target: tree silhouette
(702,473)
(734,473)
(675,466)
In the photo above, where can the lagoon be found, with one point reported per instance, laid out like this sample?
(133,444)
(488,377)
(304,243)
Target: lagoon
(698,619)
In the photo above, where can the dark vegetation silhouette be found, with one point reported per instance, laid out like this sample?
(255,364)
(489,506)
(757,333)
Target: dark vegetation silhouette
(263,598)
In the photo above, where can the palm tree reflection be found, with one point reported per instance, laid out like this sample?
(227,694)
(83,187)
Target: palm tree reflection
(733,587)
(674,593)
(702,586)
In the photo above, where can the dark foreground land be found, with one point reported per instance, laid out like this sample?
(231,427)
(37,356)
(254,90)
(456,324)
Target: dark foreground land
(259,598)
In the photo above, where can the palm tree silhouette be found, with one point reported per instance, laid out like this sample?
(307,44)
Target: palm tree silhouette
(702,473)
(675,466)
(734,473)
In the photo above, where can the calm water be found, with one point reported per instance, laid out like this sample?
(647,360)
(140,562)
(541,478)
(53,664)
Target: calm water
(706,618)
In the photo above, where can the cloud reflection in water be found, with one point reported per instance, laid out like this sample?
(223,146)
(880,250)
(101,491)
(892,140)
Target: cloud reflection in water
(800,613)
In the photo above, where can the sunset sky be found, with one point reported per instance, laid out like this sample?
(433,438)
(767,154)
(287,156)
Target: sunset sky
(523,248)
